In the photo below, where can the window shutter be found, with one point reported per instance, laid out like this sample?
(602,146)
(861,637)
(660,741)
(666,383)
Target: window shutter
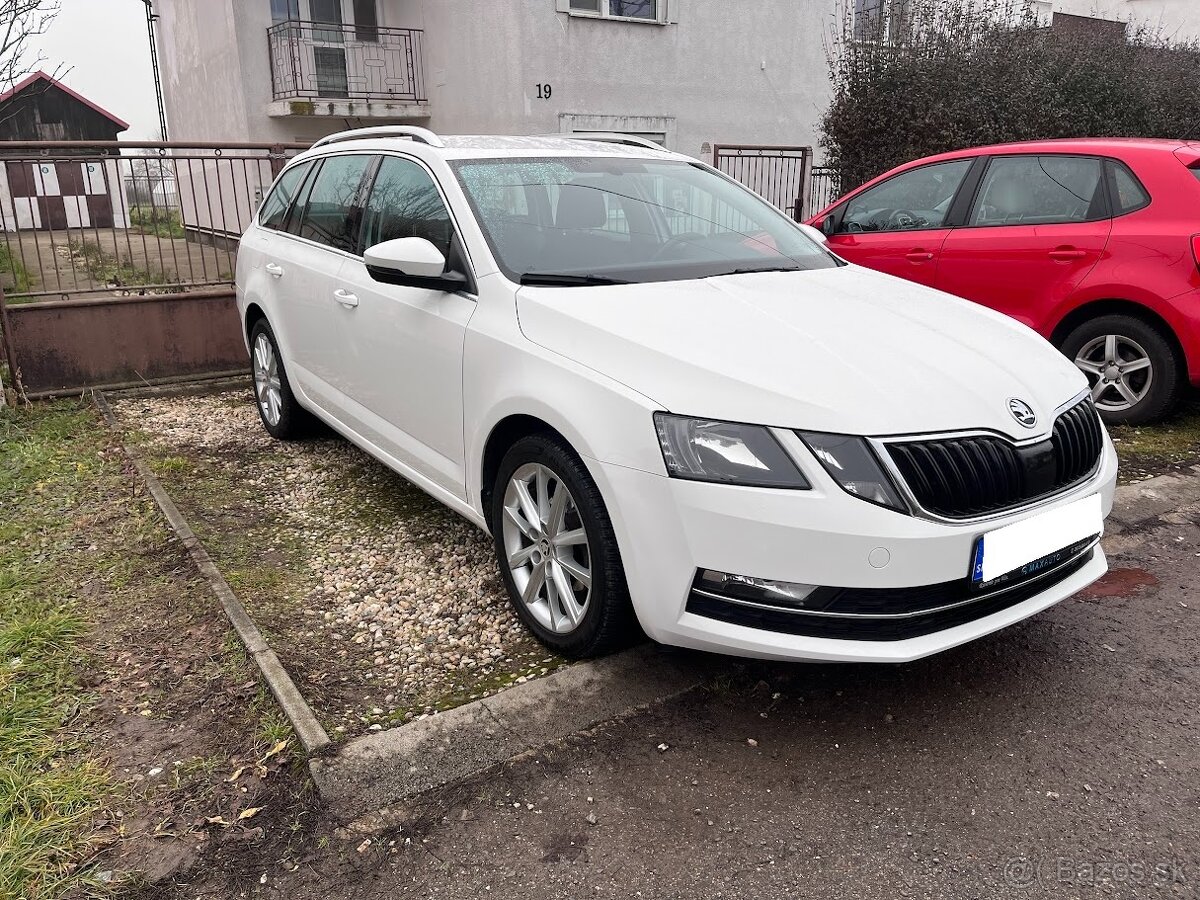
(671,13)
(564,6)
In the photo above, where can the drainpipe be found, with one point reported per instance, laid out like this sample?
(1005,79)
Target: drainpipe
(151,18)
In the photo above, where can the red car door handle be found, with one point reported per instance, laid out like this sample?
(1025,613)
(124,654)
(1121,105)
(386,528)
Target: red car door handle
(1065,254)
(918,256)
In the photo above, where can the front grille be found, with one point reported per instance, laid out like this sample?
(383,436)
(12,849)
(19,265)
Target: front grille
(959,478)
(1078,440)
(889,615)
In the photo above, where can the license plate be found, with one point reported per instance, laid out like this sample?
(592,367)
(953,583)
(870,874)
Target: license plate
(1038,543)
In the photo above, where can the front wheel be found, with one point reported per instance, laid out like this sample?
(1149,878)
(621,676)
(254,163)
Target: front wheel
(1134,373)
(557,551)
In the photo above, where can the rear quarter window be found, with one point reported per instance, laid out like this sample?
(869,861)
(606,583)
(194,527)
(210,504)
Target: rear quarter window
(1129,194)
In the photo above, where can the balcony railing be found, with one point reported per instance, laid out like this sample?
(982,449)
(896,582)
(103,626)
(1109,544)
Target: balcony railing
(323,61)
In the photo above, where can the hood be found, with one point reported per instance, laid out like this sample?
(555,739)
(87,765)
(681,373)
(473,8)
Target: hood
(844,350)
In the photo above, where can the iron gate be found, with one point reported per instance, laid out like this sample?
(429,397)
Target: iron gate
(780,174)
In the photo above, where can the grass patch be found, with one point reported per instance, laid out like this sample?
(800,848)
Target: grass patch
(157,221)
(49,461)
(108,269)
(15,277)
(1159,449)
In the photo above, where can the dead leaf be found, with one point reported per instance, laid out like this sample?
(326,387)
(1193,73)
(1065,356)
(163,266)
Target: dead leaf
(275,751)
(249,813)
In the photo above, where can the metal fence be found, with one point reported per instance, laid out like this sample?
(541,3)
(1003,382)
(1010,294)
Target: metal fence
(825,188)
(117,219)
(325,61)
(780,174)
(117,259)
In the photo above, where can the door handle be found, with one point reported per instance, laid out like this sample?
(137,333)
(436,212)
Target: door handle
(345,298)
(274,270)
(1066,254)
(918,256)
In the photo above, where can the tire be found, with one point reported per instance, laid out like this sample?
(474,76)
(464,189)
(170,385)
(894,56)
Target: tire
(273,391)
(598,618)
(1136,397)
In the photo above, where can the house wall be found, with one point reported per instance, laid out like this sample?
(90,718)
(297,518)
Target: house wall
(715,76)
(746,72)
(1178,19)
(201,57)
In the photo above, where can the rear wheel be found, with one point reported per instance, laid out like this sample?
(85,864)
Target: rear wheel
(557,551)
(1134,373)
(281,415)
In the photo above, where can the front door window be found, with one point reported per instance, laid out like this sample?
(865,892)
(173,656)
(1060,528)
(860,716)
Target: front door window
(918,199)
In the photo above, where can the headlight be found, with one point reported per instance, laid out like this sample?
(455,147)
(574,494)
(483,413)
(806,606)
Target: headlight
(702,450)
(850,462)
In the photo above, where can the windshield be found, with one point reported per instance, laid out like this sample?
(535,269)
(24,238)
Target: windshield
(604,220)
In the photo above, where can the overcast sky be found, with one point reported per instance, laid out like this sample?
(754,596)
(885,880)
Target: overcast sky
(104,44)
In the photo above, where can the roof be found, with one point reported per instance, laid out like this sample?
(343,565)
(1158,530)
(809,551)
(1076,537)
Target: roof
(1097,145)
(42,76)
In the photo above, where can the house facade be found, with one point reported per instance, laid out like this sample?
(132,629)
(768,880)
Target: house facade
(688,73)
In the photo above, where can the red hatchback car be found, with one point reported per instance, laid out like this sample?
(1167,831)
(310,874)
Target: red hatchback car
(1095,244)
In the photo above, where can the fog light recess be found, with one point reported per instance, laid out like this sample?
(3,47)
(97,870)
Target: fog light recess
(748,589)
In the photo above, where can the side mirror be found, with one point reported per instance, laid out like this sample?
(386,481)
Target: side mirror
(411,262)
(813,234)
(827,225)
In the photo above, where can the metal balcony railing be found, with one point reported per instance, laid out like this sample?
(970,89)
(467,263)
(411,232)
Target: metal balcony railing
(323,61)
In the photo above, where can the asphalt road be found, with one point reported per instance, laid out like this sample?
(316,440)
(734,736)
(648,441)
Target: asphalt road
(1059,758)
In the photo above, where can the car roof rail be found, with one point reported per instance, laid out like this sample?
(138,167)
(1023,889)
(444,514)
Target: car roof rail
(611,137)
(411,132)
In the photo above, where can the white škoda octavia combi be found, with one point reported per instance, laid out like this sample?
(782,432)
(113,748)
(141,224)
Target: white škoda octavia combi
(668,404)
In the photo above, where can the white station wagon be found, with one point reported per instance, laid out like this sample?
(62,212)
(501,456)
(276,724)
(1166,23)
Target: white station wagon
(667,403)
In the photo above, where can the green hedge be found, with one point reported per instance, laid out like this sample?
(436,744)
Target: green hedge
(957,73)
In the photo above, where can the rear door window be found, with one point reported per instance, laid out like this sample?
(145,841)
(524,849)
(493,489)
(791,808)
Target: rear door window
(1041,190)
(275,207)
(333,211)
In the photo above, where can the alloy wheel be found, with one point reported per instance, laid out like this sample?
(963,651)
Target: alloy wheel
(546,548)
(267,385)
(1119,371)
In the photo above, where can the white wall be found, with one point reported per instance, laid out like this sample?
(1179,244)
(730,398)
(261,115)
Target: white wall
(201,61)
(1177,18)
(730,71)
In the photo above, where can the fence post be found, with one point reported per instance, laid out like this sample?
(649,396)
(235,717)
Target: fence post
(10,352)
(278,157)
(804,201)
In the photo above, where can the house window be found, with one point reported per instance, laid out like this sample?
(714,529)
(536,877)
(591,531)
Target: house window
(879,21)
(285,11)
(642,10)
(366,21)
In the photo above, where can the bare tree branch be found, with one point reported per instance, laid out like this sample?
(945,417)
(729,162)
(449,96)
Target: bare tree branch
(21,20)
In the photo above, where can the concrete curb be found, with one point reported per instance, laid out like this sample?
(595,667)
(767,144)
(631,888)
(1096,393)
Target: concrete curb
(379,770)
(308,730)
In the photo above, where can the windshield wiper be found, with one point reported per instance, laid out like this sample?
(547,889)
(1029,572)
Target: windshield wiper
(752,271)
(562,279)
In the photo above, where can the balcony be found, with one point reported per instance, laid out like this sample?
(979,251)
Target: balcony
(326,69)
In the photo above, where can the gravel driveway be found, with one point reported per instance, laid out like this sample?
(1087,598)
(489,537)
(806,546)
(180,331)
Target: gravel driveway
(383,604)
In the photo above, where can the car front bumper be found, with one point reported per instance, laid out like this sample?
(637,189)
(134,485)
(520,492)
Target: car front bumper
(668,529)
